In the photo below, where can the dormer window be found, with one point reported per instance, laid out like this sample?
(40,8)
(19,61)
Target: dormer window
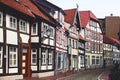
(23,26)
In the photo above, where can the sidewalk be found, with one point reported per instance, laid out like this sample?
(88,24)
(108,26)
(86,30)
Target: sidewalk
(104,76)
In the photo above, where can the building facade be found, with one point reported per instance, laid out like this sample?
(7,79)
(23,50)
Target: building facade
(94,40)
(72,22)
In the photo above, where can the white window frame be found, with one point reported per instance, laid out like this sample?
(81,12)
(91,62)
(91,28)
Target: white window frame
(1,53)
(61,61)
(21,27)
(44,57)
(13,25)
(36,29)
(50,57)
(97,58)
(1,19)
(12,52)
(52,33)
(34,52)
(93,58)
(44,29)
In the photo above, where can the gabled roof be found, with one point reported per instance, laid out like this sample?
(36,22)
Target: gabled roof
(70,14)
(110,40)
(25,7)
(85,17)
(48,4)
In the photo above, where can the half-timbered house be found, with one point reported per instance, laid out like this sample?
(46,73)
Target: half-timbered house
(72,22)
(61,39)
(92,34)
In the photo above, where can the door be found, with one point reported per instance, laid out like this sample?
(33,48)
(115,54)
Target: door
(24,60)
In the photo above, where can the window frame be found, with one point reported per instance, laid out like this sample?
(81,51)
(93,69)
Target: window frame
(93,60)
(13,23)
(44,62)
(13,53)
(33,53)
(21,26)
(32,29)
(50,59)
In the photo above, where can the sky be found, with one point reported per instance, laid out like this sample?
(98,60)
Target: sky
(100,8)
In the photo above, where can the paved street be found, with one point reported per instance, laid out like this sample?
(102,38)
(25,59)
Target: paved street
(88,75)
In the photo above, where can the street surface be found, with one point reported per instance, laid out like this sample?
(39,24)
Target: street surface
(87,75)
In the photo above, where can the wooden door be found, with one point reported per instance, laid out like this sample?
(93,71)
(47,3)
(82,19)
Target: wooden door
(24,61)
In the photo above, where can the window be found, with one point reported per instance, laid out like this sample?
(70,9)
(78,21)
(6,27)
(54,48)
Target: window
(34,29)
(34,57)
(50,57)
(13,22)
(1,53)
(59,61)
(51,32)
(13,57)
(22,26)
(1,19)
(93,59)
(44,56)
(44,29)
(97,60)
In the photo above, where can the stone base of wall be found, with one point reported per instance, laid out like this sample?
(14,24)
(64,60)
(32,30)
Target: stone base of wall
(13,77)
(44,74)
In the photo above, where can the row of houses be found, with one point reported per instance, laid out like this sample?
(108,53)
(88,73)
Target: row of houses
(38,39)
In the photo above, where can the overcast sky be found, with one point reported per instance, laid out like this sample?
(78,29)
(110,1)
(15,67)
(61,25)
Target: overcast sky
(100,8)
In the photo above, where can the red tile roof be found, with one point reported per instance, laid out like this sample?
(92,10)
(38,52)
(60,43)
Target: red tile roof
(70,13)
(85,17)
(110,40)
(24,6)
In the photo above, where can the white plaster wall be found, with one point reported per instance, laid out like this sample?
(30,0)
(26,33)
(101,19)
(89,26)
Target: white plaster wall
(45,41)
(45,74)
(35,39)
(1,70)
(82,33)
(1,35)
(49,67)
(52,42)
(25,38)
(7,21)
(43,68)
(74,52)
(12,37)
(28,27)
(34,68)
(13,70)
(13,77)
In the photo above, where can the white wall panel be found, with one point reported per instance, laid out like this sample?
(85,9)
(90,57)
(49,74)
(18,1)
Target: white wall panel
(1,35)
(1,70)
(25,38)
(28,26)
(43,68)
(34,68)
(7,21)
(12,37)
(35,39)
(13,70)
(49,67)
(52,42)
(45,41)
